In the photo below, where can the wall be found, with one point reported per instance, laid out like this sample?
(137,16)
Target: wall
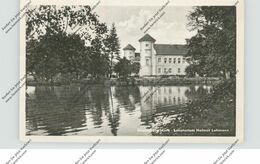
(146,53)
(173,65)
(129,54)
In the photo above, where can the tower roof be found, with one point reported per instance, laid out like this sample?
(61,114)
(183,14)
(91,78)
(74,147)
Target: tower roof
(147,37)
(129,47)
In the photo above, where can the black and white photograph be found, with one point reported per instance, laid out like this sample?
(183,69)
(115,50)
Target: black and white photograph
(149,71)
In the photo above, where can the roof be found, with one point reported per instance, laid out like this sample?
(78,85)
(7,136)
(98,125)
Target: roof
(170,49)
(147,37)
(129,47)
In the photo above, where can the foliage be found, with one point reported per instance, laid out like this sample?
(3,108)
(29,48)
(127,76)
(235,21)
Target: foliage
(99,60)
(123,67)
(112,43)
(60,19)
(55,53)
(70,41)
(135,68)
(213,48)
(215,110)
(191,70)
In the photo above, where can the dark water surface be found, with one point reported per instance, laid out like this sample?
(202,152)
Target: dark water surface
(104,110)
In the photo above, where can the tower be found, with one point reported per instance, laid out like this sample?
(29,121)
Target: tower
(147,56)
(129,52)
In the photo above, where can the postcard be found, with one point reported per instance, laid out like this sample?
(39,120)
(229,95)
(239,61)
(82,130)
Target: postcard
(132,71)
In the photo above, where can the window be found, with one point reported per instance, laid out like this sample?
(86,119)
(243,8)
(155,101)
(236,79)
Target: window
(159,60)
(170,60)
(179,70)
(165,60)
(179,60)
(159,70)
(170,70)
(146,45)
(174,60)
(183,60)
(147,61)
(165,70)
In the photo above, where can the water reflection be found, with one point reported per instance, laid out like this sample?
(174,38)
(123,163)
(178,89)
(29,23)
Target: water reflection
(102,110)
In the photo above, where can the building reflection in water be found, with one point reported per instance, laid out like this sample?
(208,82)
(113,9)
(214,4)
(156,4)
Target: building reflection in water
(101,110)
(159,99)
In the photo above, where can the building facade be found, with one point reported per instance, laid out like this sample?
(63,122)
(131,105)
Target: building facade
(158,59)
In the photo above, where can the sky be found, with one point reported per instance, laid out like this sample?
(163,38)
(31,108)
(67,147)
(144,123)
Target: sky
(170,29)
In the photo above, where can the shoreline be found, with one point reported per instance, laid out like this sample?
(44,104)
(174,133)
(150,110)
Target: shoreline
(144,81)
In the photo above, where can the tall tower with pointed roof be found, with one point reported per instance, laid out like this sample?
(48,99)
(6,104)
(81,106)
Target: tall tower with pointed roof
(147,56)
(129,52)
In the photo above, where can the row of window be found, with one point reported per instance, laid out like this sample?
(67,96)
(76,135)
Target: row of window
(169,71)
(170,60)
(173,101)
(169,90)
(178,60)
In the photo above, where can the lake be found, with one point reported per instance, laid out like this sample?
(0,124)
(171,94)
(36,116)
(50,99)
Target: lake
(98,110)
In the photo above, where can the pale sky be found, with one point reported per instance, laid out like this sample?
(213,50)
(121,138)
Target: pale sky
(170,29)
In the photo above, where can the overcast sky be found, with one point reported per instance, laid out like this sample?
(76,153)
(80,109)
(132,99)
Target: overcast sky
(170,29)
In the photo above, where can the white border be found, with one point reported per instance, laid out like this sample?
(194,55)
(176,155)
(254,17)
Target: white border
(145,139)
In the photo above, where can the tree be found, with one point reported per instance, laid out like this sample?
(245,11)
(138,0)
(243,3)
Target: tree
(135,68)
(68,19)
(67,40)
(53,54)
(112,43)
(123,67)
(213,48)
(99,65)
